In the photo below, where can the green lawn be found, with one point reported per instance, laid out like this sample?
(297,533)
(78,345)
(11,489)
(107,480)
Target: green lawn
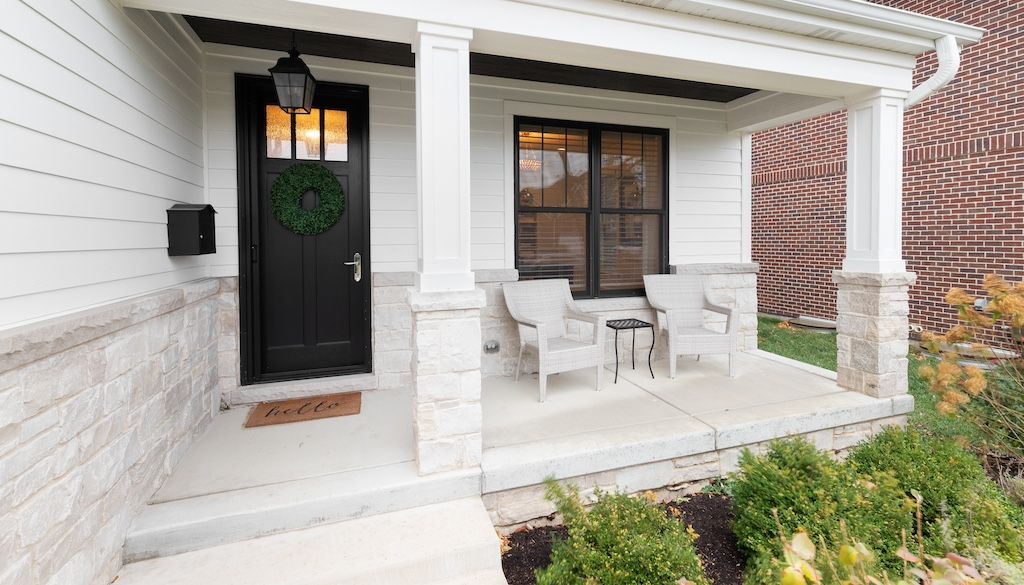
(820,349)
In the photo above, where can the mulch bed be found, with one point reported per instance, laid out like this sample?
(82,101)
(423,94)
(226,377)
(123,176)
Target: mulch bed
(709,515)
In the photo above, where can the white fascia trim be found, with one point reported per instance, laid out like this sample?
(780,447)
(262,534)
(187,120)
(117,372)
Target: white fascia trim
(914,32)
(884,17)
(627,11)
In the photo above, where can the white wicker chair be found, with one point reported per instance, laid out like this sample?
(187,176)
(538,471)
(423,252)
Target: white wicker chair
(542,308)
(680,301)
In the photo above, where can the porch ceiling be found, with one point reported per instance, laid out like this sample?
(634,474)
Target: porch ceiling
(275,38)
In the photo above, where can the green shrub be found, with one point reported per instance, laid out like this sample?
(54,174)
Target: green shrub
(621,540)
(963,510)
(812,493)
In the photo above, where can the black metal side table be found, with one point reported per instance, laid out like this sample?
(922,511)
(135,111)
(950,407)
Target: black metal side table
(634,324)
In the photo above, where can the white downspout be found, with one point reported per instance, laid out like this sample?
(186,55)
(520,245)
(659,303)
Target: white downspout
(948,53)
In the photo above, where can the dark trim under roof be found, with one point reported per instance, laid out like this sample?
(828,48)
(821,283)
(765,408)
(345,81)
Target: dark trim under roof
(389,53)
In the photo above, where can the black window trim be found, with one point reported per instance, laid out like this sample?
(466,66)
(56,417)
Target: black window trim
(594,211)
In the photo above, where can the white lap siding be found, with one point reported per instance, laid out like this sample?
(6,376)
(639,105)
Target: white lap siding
(101,131)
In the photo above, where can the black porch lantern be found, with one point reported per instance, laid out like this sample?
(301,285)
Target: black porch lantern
(294,83)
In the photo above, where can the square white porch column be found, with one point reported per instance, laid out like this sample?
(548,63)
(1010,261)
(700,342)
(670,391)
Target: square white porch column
(442,157)
(445,303)
(872,303)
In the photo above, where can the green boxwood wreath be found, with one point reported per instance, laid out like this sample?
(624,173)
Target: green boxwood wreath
(286,199)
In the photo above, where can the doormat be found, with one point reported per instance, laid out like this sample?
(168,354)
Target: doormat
(303,409)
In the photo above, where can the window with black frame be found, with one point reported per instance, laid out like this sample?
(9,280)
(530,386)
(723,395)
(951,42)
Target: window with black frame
(591,205)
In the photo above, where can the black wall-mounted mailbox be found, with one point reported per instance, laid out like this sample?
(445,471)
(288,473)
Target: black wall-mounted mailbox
(190,230)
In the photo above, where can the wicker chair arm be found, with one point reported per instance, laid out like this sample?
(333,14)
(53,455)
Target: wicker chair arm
(730,314)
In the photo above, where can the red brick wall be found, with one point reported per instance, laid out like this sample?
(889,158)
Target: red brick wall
(963,180)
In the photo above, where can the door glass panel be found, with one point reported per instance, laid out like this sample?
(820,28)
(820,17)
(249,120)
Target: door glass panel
(307,135)
(279,133)
(530,166)
(335,135)
(629,250)
(553,245)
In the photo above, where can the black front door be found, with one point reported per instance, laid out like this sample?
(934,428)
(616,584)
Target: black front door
(304,288)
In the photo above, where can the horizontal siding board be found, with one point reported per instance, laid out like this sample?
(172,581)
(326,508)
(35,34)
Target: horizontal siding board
(28,149)
(699,154)
(706,194)
(26,191)
(27,26)
(107,31)
(50,117)
(709,181)
(27,233)
(688,235)
(67,269)
(35,71)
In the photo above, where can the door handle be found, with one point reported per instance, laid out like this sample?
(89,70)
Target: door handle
(357,266)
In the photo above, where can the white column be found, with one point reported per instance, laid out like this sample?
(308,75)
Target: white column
(874,184)
(442,157)
(445,304)
(872,302)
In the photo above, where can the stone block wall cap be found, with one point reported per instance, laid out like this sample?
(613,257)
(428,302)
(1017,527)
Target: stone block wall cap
(394,278)
(717,268)
(496,275)
(35,341)
(874,278)
(447,300)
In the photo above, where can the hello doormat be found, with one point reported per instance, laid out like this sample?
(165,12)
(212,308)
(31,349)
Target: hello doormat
(302,409)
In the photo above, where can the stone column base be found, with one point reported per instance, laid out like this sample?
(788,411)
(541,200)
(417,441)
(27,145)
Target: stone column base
(448,416)
(872,328)
(733,285)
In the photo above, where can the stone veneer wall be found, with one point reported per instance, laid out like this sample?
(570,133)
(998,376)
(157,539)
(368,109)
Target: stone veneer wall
(95,410)
(668,479)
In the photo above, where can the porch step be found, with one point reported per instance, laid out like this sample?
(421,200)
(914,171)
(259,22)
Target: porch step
(178,526)
(447,543)
(255,393)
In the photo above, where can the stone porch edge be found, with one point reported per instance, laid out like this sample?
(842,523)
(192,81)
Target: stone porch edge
(34,341)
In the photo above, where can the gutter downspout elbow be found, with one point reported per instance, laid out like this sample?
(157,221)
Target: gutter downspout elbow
(948,53)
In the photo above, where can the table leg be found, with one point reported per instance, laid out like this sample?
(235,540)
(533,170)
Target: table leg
(632,350)
(654,337)
(616,356)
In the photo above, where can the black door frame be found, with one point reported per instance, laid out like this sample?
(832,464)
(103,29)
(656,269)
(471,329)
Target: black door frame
(247,148)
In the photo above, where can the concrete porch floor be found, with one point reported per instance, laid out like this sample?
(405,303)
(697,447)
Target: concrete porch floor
(234,483)
(579,431)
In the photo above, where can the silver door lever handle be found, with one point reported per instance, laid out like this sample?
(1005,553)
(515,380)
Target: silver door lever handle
(357,262)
